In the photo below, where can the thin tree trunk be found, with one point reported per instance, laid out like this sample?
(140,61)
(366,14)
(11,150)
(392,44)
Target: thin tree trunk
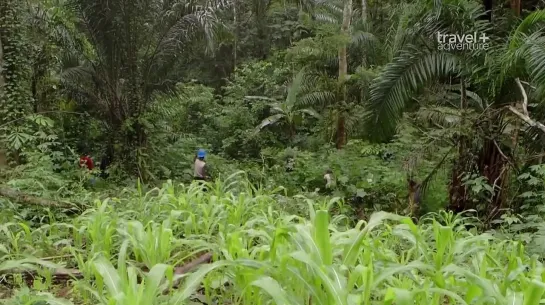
(236,36)
(3,153)
(364,10)
(343,72)
(3,159)
(34,90)
(457,191)
(1,64)
(343,61)
(515,6)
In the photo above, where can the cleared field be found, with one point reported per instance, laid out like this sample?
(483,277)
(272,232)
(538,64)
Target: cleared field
(132,250)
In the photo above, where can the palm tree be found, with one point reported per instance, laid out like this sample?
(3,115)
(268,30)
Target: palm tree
(135,49)
(353,38)
(490,73)
(52,31)
(289,112)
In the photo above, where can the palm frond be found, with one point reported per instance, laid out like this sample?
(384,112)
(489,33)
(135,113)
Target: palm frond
(439,116)
(316,98)
(535,61)
(263,98)
(361,38)
(395,36)
(326,18)
(173,26)
(295,87)
(473,97)
(400,80)
(529,25)
(273,119)
(333,8)
(352,121)
(363,78)
(281,108)
(513,54)
(74,72)
(311,112)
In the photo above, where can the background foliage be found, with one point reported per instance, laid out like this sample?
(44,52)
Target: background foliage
(277,92)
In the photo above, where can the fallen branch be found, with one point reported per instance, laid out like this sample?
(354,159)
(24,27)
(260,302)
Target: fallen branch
(32,200)
(524,115)
(205,258)
(63,275)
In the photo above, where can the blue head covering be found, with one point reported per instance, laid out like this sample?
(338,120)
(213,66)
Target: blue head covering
(201,153)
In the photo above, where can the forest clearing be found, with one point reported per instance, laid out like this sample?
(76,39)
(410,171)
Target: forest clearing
(316,152)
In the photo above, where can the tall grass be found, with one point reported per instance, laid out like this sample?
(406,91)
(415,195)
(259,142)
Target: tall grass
(264,254)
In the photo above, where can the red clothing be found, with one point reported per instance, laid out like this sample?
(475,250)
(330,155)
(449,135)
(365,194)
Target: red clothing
(86,161)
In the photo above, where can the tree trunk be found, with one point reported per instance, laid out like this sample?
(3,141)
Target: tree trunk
(515,6)
(341,131)
(364,10)
(457,191)
(488,6)
(292,134)
(135,136)
(494,167)
(343,72)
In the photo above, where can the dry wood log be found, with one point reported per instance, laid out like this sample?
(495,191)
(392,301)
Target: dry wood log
(32,200)
(205,258)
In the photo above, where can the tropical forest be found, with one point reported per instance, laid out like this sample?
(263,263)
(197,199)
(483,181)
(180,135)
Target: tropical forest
(272,152)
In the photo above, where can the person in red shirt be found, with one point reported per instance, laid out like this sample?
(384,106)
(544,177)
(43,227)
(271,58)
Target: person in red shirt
(87,162)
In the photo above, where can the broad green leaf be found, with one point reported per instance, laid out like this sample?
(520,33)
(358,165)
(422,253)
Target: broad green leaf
(110,276)
(321,236)
(191,283)
(273,288)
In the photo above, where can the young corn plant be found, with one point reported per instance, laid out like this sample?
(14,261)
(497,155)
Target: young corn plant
(97,229)
(153,244)
(25,296)
(120,286)
(263,254)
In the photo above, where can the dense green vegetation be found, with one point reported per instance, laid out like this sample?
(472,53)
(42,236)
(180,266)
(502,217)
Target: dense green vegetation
(436,152)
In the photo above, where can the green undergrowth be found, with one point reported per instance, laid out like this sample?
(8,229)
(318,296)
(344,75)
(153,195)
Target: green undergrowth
(267,249)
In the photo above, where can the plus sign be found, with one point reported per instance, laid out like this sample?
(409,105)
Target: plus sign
(483,37)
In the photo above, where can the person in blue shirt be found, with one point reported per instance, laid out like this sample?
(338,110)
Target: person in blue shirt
(200,169)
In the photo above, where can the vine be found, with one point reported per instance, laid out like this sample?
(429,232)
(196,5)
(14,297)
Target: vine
(15,99)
